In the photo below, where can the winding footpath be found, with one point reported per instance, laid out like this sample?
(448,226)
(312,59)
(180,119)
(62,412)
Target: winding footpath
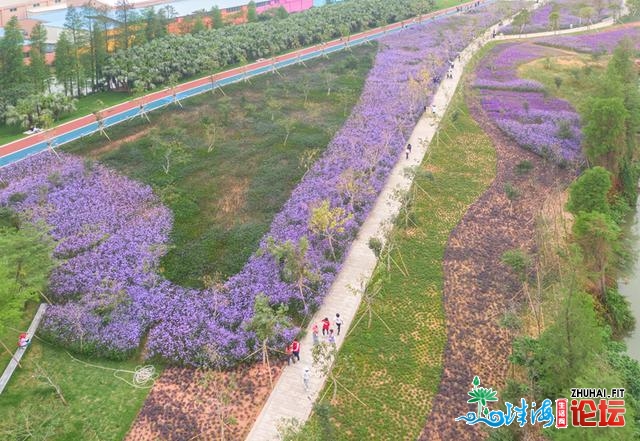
(289,399)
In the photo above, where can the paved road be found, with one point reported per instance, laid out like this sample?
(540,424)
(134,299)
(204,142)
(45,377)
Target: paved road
(89,124)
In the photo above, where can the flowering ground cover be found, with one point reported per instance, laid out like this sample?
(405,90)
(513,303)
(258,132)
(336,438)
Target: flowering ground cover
(112,293)
(598,42)
(458,170)
(221,164)
(522,109)
(571,13)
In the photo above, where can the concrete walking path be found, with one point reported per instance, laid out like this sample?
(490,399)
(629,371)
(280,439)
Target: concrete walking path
(289,400)
(17,356)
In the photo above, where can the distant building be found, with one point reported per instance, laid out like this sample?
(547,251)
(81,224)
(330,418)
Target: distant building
(52,13)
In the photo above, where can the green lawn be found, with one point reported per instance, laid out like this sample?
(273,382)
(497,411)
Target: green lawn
(396,373)
(224,198)
(573,72)
(99,406)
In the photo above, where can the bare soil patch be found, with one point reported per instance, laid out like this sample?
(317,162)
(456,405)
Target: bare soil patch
(189,404)
(478,288)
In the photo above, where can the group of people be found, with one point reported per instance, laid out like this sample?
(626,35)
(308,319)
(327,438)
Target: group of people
(327,330)
(292,351)
(23,340)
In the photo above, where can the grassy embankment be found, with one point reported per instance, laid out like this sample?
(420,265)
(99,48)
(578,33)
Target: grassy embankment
(396,372)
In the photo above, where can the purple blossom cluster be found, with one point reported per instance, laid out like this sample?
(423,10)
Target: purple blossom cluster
(548,126)
(111,231)
(110,234)
(602,41)
(569,15)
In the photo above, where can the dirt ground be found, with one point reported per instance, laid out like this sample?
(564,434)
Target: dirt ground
(479,289)
(189,404)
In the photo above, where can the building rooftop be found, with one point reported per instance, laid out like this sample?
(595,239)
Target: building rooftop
(182,7)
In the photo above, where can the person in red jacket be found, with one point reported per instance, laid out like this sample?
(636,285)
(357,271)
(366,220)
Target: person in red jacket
(23,340)
(295,348)
(325,326)
(289,354)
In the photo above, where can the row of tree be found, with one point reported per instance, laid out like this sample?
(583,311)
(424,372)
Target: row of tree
(153,63)
(575,277)
(134,50)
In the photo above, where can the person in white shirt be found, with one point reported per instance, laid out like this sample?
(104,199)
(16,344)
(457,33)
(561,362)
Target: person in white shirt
(338,320)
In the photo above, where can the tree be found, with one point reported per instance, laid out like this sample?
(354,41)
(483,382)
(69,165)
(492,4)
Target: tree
(95,58)
(216,17)
(324,359)
(198,25)
(328,222)
(38,70)
(125,16)
(73,23)
(64,62)
(522,19)
(634,7)
(12,69)
(566,347)
(586,13)
(281,13)
(590,191)
(266,324)
(295,266)
(36,110)
(604,132)
(554,20)
(252,15)
(598,236)
(25,264)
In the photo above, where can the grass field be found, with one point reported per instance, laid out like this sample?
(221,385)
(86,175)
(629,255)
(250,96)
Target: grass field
(568,77)
(225,164)
(396,372)
(99,406)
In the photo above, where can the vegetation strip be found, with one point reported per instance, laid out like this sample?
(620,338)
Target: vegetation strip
(392,360)
(235,48)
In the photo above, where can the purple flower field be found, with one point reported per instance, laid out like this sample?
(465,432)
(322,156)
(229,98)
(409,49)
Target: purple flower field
(112,231)
(602,41)
(547,126)
(569,15)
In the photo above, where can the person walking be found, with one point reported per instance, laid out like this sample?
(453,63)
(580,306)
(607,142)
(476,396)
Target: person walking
(332,338)
(306,376)
(433,110)
(295,348)
(407,151)
(325,326)
(289,354)
(338,319)
(314,333)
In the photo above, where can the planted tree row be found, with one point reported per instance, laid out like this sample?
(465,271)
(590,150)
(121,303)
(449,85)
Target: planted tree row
(154,63)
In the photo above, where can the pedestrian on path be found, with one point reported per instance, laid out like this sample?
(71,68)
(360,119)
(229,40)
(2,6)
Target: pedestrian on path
(325,326)
(338,319)
(295,348)
(407,151)
(314,332)
(289,353)
(332,338)
(433,110)
(306,376)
